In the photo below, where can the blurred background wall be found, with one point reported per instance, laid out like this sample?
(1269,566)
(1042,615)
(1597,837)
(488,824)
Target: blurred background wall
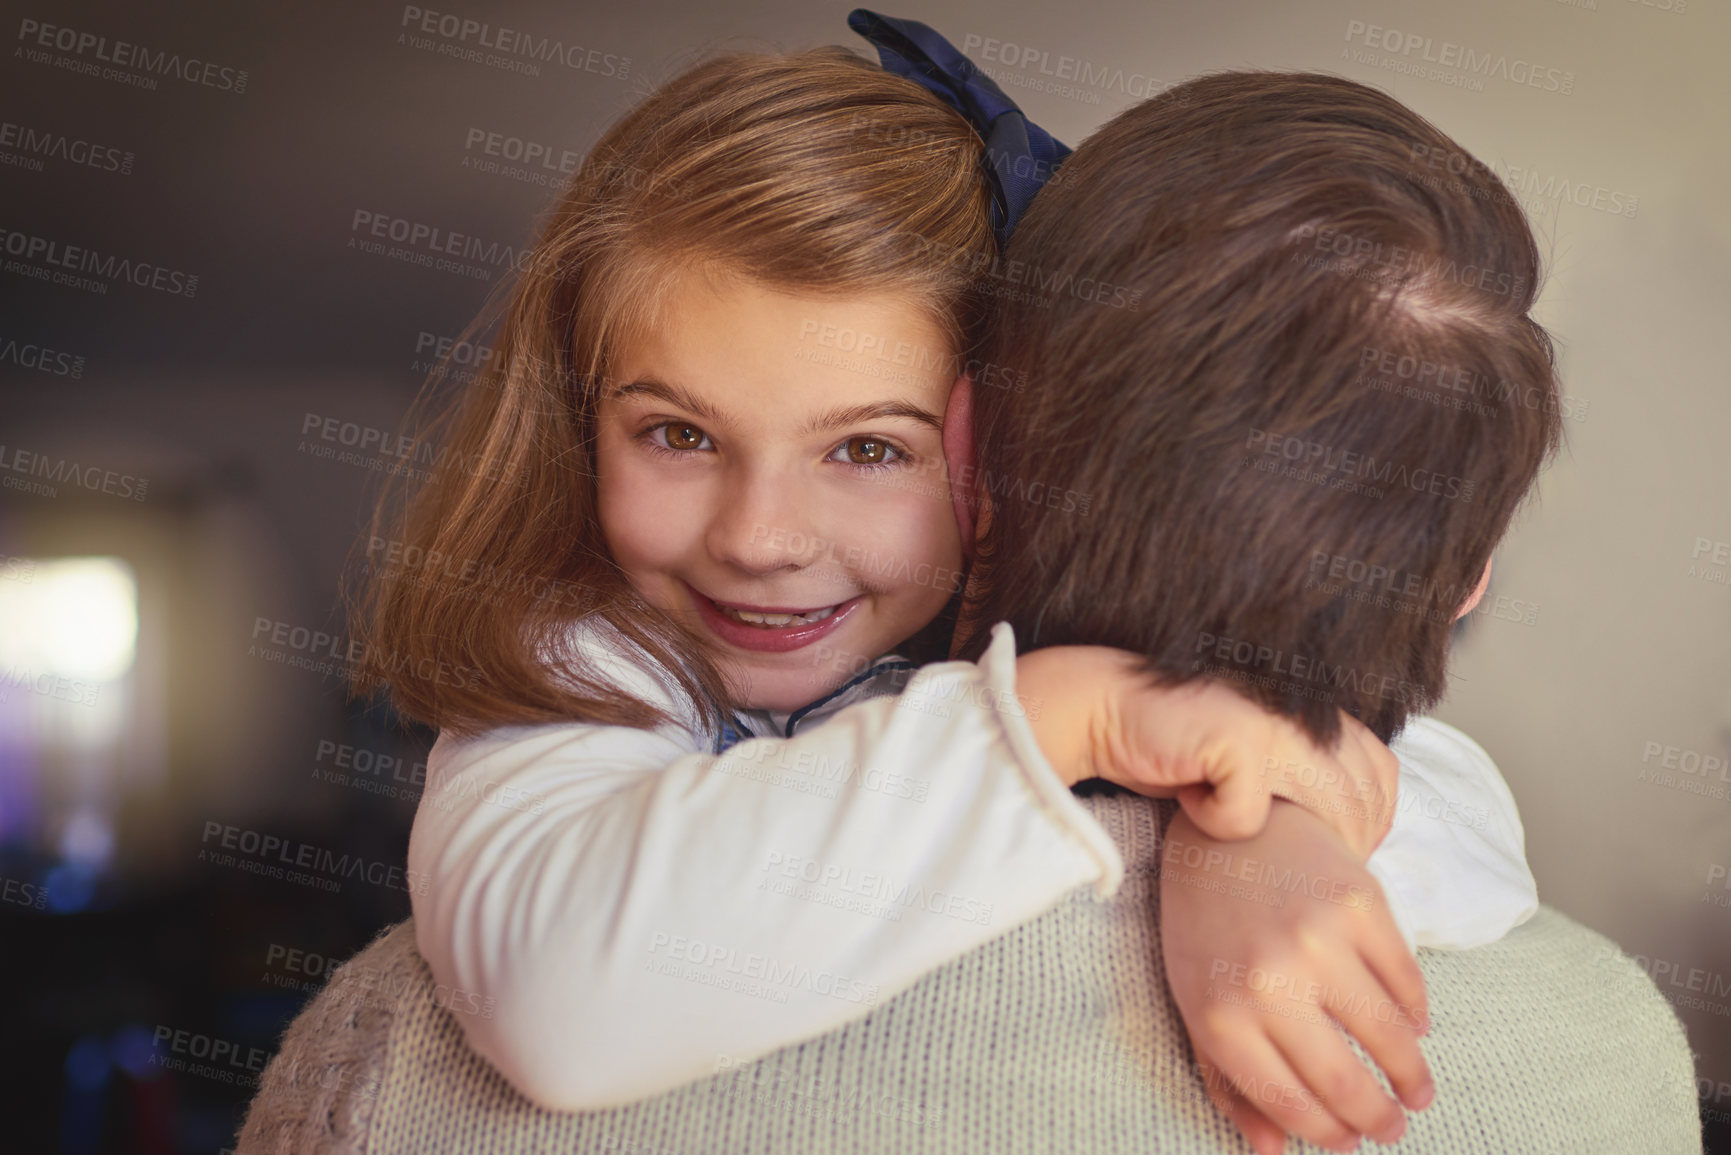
(192,406)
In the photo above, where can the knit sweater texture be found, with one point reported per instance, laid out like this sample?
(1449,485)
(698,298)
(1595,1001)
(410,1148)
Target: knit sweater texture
(1059,1036)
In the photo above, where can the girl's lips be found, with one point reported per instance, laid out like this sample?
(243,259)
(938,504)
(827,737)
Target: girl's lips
(767,639)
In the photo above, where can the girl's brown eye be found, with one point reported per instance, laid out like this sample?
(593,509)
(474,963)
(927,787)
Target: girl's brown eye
(866,451)
(684,437)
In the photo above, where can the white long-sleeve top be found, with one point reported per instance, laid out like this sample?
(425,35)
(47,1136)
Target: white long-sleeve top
(611,910)
(1453,867)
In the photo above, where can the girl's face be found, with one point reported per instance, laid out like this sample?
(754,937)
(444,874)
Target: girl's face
(783,498)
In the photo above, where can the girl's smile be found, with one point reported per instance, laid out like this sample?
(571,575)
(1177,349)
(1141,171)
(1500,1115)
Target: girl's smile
(770,629)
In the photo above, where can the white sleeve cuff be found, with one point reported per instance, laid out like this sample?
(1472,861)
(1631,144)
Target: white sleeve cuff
(999,665)
(1453,866)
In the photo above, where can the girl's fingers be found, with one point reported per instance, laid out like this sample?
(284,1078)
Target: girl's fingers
(1385,1028)
(1222,1097)
(1331,784)
(1377,763)
(1230,807)
(1263,1134)
(1334,1073)
(1259,1131)
(1399,1022)
(1387,956)
(1262,1075)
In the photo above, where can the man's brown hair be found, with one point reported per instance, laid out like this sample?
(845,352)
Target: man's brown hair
(1298,449)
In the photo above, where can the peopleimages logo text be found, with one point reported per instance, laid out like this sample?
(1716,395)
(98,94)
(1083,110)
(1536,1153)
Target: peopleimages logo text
(1448,54)
(124,54)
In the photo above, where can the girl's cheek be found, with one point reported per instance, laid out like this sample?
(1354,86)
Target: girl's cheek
(638,519)
(916,521)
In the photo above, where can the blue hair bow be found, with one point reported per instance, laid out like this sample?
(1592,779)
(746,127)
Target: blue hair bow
(1022,155)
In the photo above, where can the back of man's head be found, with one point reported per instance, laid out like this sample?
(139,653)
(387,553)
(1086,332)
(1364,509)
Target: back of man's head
(1273,342)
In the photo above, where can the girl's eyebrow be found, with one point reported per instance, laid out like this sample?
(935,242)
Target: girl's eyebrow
(834,419)
(855,414)
(672,394)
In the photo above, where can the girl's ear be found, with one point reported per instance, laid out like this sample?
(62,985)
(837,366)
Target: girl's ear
(959,458)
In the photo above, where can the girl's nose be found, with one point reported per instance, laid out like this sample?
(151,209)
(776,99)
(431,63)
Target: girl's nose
(762,524)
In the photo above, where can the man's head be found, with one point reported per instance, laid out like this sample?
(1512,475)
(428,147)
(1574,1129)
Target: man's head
(1274,340)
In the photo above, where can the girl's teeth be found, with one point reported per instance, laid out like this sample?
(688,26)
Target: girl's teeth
(777,621)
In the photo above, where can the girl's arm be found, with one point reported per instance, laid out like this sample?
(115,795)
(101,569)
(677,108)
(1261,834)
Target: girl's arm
(623,910)
(1453,867)
(614,911)
(1452,874)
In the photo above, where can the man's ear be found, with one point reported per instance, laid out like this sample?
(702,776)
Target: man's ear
(959,458)
(1473,598)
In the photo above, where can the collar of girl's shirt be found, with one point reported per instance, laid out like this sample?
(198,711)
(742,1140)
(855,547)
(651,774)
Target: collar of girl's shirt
(886,675)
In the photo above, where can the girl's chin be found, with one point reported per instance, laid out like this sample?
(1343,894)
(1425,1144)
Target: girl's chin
(785,690)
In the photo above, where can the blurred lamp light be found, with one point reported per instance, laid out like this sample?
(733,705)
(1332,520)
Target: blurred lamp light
(75,617)
(88,839)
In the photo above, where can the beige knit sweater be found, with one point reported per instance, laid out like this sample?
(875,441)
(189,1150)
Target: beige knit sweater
(1057,1037)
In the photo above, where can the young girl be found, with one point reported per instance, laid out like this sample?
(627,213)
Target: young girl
(733,519)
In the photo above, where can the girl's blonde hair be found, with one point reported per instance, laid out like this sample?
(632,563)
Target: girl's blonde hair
(815,172)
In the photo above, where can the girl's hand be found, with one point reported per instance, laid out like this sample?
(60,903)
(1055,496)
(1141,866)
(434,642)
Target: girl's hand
(1263,970)
(1352,788)
(1096,714)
